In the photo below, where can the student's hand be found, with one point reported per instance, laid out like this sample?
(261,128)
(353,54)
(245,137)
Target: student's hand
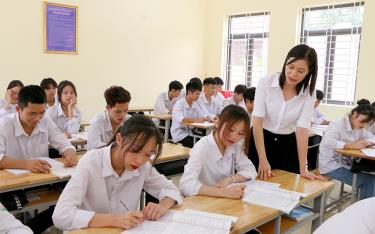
(264,169)
(154,211)
(38,166)
(67,135)
(71,106)
(70,158)
(235,192)
(357,145)
(223,183)
(312,176)
(128,220)
(366,143)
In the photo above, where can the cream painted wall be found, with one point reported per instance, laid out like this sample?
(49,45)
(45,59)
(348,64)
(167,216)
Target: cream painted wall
(141,45)
(283,35)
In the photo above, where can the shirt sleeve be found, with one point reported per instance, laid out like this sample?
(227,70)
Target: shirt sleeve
(10,225)
(4,112)
(304,120)
(74,123)
(158,186)
(159,106)
(189,182)
(244,166)
(178,113)
(67,214)
(3,143)
(94,139)
(331,138)
(260,99)
(56,138)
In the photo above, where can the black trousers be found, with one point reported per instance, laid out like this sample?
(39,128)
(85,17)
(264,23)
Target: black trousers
(281,151)
(187,141)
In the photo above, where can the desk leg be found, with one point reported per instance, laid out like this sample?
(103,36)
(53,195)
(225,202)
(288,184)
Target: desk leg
(166,130)
(319,206)
(353,197)
(277,224)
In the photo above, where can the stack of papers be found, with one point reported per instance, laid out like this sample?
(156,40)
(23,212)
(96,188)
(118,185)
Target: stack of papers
(369,152)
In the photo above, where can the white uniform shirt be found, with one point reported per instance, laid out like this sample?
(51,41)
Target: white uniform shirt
(230,101)
(100,131)
(357,218)
(207,166)
(318,117)
(210,109)
(280,116)
(219,97)
(61,120)
(180,111)
(54,104)
(16,143)
(11,225)
(338,134)
(163,104)
(10,110)
(95,187)
(372,129)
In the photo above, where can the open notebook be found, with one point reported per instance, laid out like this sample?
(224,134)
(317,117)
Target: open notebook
(186,222)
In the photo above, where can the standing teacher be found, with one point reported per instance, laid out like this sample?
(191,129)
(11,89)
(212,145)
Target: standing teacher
(283,108)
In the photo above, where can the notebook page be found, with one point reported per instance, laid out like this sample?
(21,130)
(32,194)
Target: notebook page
(182,228)
(233,219)
(202,220)
(149,227)
(369,152)
(58,168)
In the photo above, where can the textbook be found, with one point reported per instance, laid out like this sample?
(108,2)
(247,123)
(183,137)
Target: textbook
(299,213)
(186,222)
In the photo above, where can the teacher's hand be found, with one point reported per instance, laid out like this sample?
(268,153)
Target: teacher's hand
(264,169)
(312,176)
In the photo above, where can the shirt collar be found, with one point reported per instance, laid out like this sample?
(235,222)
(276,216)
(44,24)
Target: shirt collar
(276,84)
(19,130)
(217,156)
(186,104)
(107,125)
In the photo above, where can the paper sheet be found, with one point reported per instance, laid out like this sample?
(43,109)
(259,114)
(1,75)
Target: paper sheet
(369,152)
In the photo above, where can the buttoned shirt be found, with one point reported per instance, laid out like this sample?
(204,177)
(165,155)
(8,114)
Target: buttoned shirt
(212,108)
(62,121)
(318,117)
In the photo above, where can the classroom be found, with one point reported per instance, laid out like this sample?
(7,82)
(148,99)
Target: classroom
(187,116)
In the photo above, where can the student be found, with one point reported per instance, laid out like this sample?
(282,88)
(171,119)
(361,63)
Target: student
(165,101)
(283,108)
(107,185)
(194,79)
(219,87)
(10,225)
(9,103)
(237,97)
(218,159)
(49,86)
(319,117)
(248,97)
(357,218)
(66,114)
(186,110)
(348,133)
(104,125)
(207,102)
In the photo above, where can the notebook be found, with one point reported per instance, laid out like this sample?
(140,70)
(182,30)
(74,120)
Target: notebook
(186,222)
(369,152)
(299,213)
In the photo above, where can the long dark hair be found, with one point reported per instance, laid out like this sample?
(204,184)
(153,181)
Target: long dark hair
(309,54)
(364,108)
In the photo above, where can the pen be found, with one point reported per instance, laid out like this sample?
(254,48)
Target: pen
(124,205)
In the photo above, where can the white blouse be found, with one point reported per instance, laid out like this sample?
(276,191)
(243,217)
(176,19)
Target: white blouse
(10,225)
(72,125)
(10,110)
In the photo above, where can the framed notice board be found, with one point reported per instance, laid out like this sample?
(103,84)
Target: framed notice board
(60,28)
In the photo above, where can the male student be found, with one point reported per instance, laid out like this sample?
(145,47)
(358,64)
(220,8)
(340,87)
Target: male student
(248,97)
(165,101)
(186,110)
(218,88)
(319,117)
(49,86)
(207,101)
(104,125)
(237,97)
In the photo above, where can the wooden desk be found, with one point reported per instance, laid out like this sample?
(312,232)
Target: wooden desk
(83,125)
(141,109)
(172,152)
(250,216)
(167,118)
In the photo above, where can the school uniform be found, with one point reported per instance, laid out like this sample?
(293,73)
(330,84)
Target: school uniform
(16,143)
(62,121)
(219,97)
(95,187)
(212,108)
(11,109)
(179,131)
(10,225)
(100,132)
(357,218)
(318,117)
(163,104)
(207,166)
(281,118)
(371,129)
(338,167)
(230,101)
(54,104)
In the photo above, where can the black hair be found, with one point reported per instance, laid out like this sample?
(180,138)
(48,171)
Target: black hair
(136,132)
(209,80)
(240,89)
(176,85)
(192,87)
(373,104)
(319,94)
(47,82)
(31,94)
(197,80)
(309,54)
(249,94)
(15,83)
(219,81)
(61,87)
(367,110)
(363,101)
(116,94)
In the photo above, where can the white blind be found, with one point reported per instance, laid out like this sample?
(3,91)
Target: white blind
(334,31)
(246,49)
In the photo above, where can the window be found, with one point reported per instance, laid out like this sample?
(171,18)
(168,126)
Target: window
(246,49)
(335,33)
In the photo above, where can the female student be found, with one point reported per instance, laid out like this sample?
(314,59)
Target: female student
(49,86)
(217,160)
(10,225)
(283,108)
(104,125)
(348,133)
(66,114)
(106,187)
(9,103)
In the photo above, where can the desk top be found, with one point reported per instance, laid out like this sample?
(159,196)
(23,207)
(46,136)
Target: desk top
(160,116)
(172,152)
(249,215)
(140,109)
(201,125)
(354,153)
